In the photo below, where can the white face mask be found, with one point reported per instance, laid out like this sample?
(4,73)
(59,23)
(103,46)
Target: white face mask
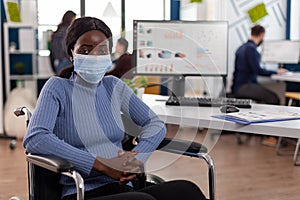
(92,68)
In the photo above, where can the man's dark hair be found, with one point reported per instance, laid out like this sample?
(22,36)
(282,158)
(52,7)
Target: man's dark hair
(123,42)
(257,30)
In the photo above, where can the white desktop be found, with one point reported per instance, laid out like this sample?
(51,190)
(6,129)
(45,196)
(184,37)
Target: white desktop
(289,76)
(202,117)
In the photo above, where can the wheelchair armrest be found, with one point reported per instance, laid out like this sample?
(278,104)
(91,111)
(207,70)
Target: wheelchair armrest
(181,146)
(56,165)
(193,149)
(51,163)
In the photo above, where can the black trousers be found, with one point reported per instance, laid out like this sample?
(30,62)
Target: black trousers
(257,93)
(172,190)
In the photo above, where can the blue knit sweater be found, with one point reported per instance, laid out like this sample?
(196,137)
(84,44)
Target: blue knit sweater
(247,66)
(78,121)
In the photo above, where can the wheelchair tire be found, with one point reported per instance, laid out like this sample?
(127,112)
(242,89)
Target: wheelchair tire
(13,144)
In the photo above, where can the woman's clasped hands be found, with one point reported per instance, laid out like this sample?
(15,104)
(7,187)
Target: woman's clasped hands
(125,167)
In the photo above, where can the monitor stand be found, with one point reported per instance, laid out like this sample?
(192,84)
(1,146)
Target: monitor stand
(178,86)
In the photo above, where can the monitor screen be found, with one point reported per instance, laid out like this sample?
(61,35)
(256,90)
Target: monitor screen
(180,47)
(281,51)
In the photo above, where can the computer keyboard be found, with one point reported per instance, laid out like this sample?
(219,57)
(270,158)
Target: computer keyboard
(208,101)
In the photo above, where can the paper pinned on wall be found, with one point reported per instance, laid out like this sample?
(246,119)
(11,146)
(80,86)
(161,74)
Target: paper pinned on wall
(257,13)
(12,11)
(196,1)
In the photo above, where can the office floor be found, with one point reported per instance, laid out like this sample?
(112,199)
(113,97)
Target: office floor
(248,171)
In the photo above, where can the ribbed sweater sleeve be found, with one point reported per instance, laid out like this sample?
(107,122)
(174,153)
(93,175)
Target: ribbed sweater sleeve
(40,138)
(153,129)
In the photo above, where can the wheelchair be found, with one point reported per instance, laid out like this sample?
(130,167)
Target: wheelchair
(44,171)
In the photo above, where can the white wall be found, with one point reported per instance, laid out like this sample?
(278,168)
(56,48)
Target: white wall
(240,24)
(207,10)
(28,10)
(1,88)
(295,20)
(235,11)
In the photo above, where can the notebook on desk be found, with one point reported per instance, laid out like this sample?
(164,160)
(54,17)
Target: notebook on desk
(252,117)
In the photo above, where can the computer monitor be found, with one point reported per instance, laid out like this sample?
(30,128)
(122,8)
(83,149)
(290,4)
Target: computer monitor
(281,52)
(184,48)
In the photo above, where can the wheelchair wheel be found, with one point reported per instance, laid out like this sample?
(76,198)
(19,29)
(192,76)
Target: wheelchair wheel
(12,144)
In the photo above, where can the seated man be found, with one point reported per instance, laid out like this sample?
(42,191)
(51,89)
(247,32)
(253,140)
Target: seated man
(123,68)
(121,48)
(247,68)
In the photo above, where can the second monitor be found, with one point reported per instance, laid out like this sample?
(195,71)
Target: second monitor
(281,51)
(180,47)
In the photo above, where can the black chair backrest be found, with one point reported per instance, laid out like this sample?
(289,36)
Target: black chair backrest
(131,132)
(45,183)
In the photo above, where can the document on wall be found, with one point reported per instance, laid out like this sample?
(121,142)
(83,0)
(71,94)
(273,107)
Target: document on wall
(12,10)
(251,117)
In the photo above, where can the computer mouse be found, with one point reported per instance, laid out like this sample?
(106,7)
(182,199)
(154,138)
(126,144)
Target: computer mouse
(229,109)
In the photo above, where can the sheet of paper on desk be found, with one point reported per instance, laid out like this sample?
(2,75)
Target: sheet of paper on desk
(295,74)
(251,117)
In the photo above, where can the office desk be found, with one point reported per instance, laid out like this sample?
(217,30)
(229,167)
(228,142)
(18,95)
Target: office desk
(201,117)
(292,77)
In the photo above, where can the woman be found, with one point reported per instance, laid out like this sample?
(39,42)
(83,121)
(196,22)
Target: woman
(58,57)
(78,118)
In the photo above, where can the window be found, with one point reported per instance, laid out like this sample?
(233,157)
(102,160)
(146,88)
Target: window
(49,16)
(147,10)
(96,8)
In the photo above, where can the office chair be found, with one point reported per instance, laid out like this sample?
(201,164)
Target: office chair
(44,171)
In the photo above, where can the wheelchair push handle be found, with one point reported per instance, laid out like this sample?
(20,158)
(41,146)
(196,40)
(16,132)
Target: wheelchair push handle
(20,111)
